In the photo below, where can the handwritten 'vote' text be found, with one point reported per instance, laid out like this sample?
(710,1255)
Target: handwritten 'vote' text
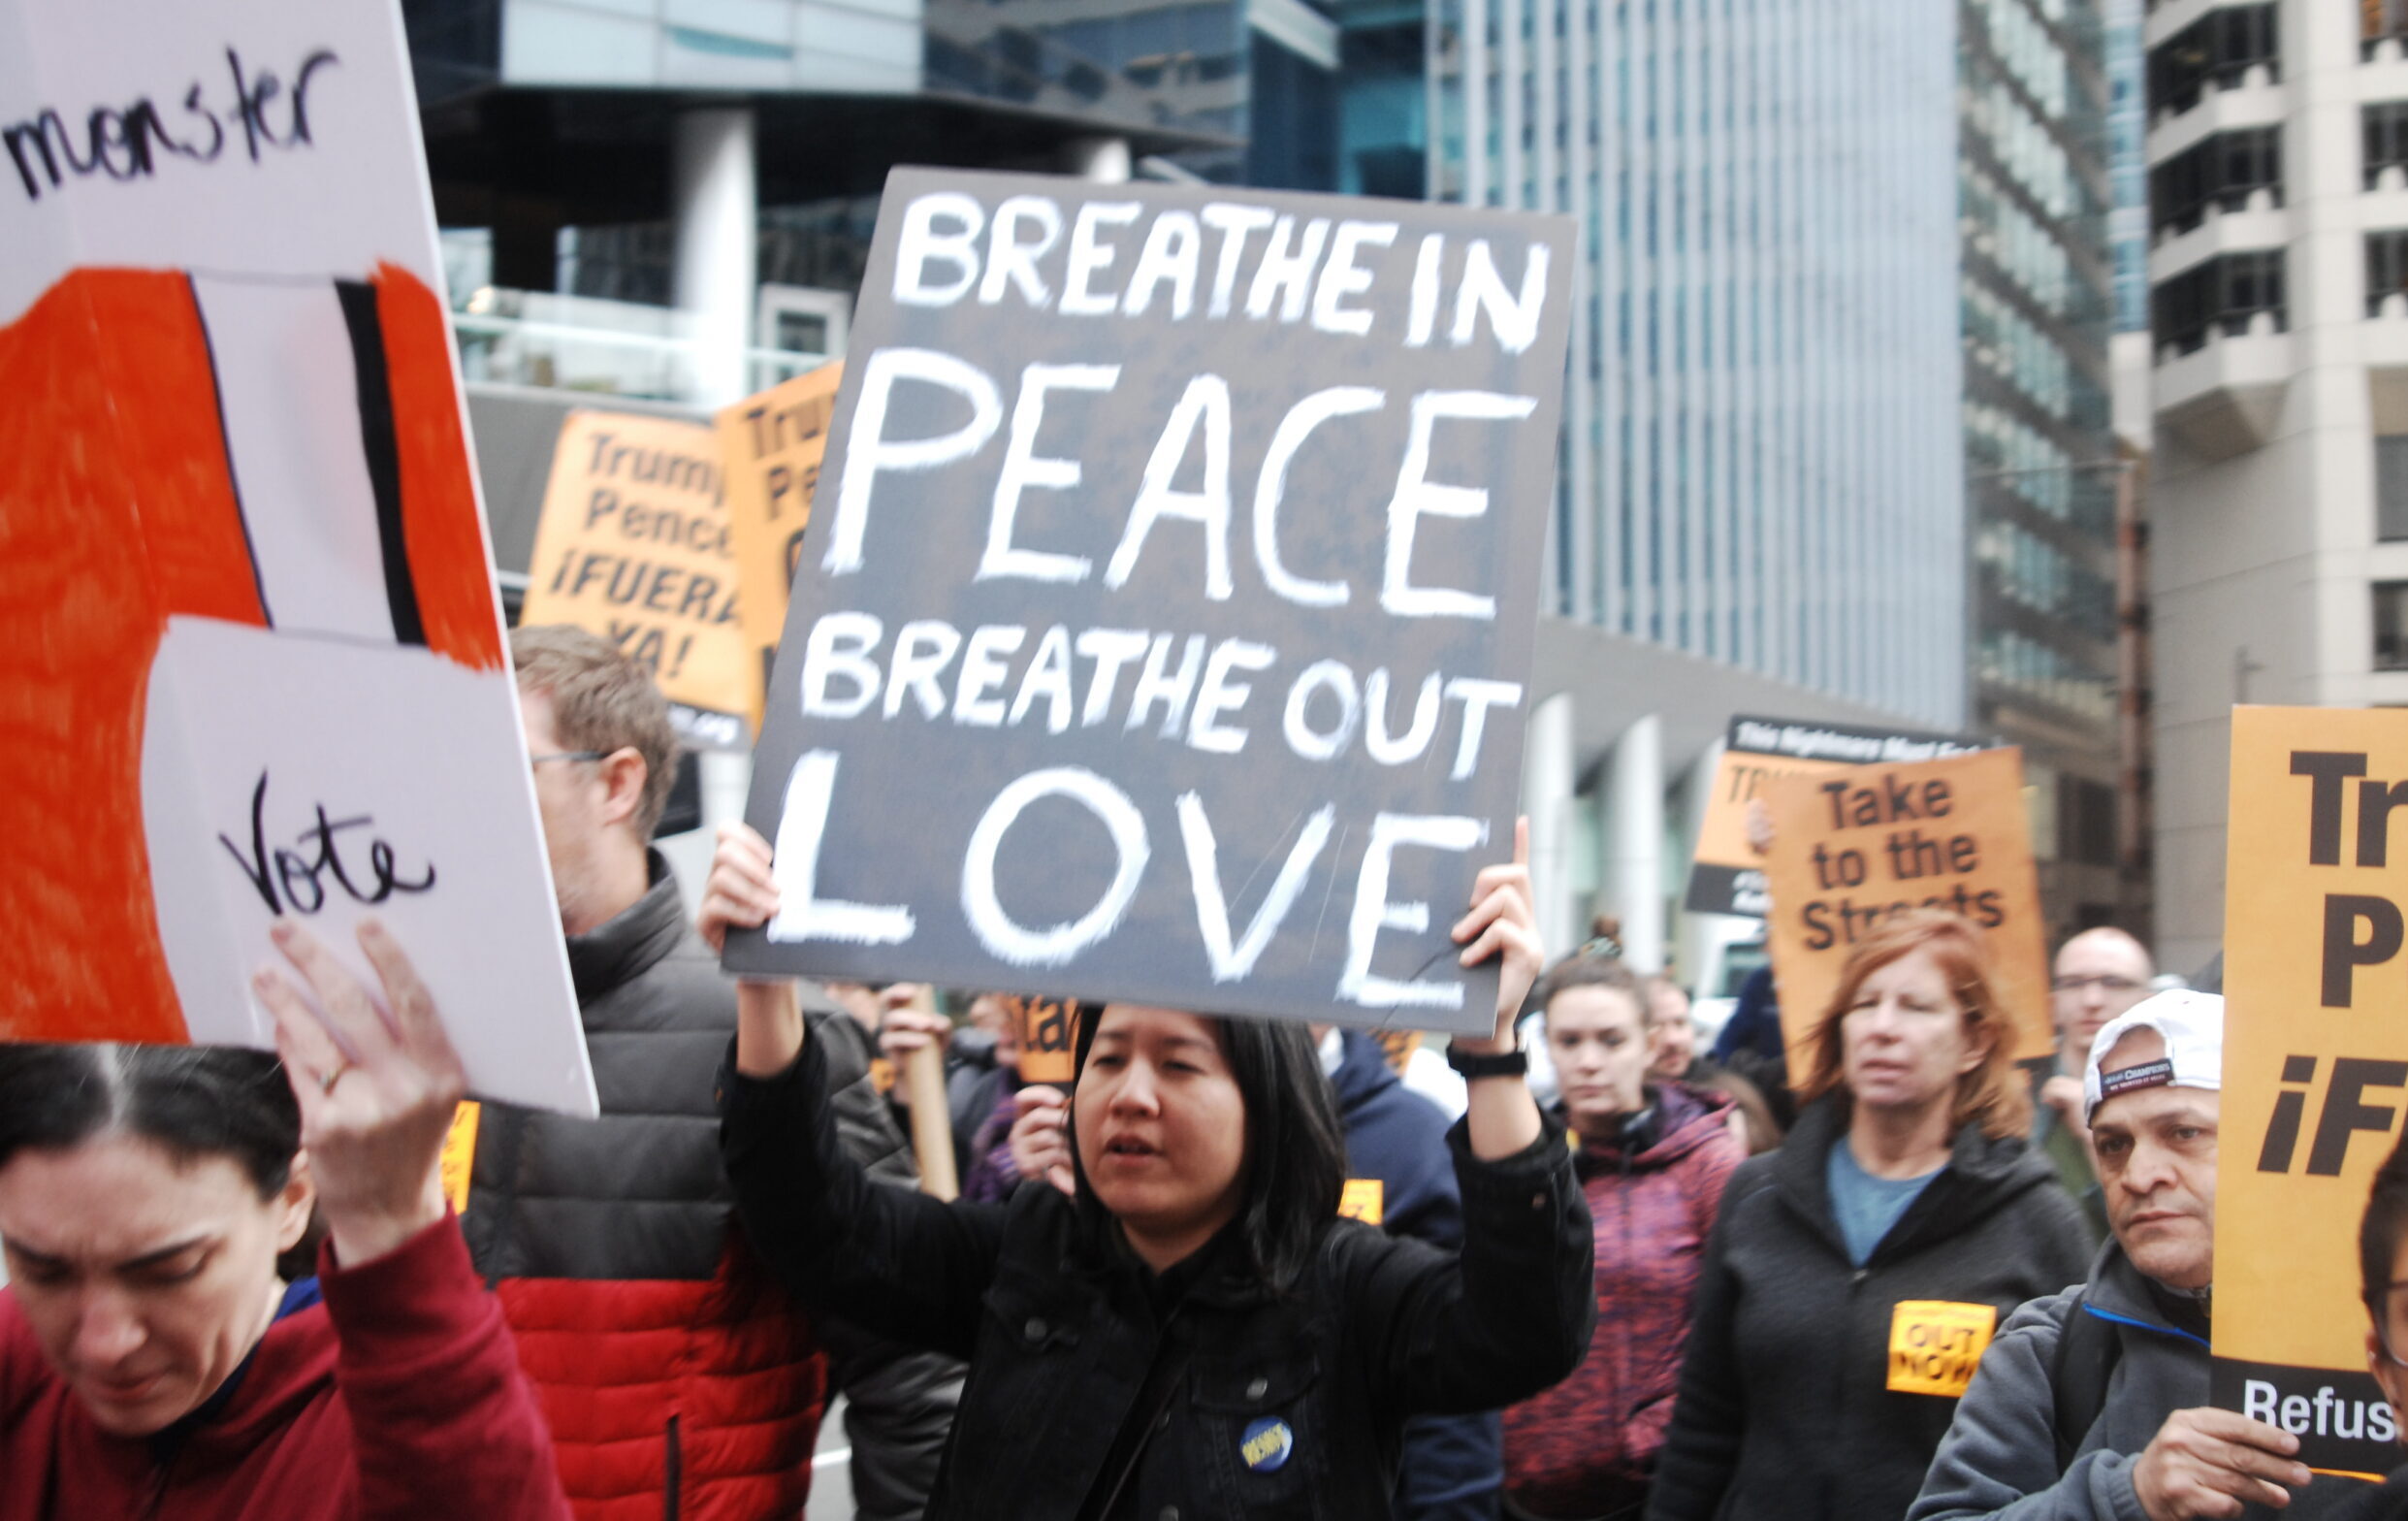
(298,879)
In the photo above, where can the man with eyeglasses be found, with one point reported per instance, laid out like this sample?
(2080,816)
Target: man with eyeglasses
(2099,974)
(2092,1405)
(678,1379)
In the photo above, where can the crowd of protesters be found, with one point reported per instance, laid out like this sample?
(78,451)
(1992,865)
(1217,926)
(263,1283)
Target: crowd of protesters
(1233,1268)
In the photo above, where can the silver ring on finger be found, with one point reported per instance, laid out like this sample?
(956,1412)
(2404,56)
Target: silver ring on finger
(331,1076)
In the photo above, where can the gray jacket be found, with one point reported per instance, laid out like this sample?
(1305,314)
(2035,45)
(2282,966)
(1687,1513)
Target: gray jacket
(1999,1457)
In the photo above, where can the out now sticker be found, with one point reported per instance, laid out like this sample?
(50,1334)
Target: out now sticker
(1363,1199)
(1934,1345)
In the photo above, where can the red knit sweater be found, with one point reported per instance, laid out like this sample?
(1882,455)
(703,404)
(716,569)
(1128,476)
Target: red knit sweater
(398,1397)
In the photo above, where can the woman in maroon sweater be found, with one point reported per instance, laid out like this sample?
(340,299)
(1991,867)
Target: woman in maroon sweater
(152,1362)
(1653,1159)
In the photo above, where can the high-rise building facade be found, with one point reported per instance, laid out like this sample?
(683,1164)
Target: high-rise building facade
(2278,155)
(1762,462)
(2042,473)
(1761,504)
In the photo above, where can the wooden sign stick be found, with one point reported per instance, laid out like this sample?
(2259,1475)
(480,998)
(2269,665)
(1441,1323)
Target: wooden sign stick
(932,1117)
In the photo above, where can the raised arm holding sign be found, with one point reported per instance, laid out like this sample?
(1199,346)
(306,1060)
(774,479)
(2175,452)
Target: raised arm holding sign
(250,645)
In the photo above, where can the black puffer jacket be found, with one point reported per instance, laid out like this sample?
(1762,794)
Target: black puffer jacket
(1785,1411)
(1061,1334)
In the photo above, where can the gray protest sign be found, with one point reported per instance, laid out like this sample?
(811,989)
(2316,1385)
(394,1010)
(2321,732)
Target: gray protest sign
(1170,590)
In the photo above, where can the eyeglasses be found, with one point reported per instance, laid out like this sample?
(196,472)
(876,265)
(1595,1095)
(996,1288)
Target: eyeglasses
(571,754)
(2105,984)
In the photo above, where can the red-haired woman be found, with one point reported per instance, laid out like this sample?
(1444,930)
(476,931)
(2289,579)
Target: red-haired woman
(1854,1276)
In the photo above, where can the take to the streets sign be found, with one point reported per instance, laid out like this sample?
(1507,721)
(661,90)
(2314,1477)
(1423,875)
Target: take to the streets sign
(771,445)
(2314,1068)
(1727,876)
(634,545)
(251,658)
(1852,848)
(1171,587)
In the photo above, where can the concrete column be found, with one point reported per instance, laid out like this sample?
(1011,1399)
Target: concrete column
(1694,938)
(1550,774)
(1102,159)
(716,204)
(1632,883)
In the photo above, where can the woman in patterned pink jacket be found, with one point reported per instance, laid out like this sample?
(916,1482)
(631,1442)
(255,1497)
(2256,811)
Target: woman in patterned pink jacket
(1653,1158)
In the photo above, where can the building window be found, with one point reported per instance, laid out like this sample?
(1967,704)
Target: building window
(2391,624)
(2085,821)
(2391,487)
(2217,51)
(2220,172)
(2386,268)
(2223,294)
(2387,136)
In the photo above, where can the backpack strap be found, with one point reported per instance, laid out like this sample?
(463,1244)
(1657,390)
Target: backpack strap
(2088,1349)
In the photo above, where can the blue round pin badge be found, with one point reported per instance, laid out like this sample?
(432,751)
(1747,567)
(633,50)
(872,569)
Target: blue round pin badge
(1266,1444)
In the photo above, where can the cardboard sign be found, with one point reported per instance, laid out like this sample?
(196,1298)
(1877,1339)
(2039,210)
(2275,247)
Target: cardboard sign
(1048,1034)
(1397,1047)
(1162,628)
(771,445)
(1726,875)
(459,1163)
(1935,1344)
(633,545)
(2314,1068)
(250,648)
(1854,848)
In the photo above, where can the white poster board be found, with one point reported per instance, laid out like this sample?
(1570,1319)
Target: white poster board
(251,658)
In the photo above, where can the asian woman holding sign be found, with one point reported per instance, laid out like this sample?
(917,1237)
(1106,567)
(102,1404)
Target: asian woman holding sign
(1193,1332)
(1856,1276)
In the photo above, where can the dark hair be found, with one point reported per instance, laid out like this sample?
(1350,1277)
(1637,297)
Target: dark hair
(1581,969)
(2379,1233)
(192,1101)
(1298,1151)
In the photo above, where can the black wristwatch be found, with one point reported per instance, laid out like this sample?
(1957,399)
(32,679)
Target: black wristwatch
(1515,1063)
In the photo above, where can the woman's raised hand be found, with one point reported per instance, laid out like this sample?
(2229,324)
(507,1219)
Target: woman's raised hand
(377,1086)
(1039,1138)
(1503,922)
(741,893)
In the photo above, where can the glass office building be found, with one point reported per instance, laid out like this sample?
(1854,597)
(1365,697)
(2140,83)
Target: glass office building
(2042,472)
(1762,462)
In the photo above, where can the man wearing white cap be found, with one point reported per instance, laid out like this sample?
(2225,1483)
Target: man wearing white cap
(2092,1405)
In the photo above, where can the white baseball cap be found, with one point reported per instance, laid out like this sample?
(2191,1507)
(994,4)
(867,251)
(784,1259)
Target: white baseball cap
(2189,1022)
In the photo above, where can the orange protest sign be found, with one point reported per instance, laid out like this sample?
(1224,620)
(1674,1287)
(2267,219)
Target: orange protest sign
(1048,1034)
(633,545)
(2315,1065)
(1727,876)
(1849,850)
(459,1161)
(1363,1199)
(1397,1046)
(771,445)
